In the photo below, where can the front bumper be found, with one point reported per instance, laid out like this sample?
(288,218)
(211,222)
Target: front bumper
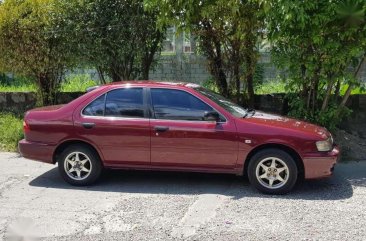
(318,165)
(36,151)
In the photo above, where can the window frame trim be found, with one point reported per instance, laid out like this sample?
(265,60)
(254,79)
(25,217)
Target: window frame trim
(152,111)
(144,104)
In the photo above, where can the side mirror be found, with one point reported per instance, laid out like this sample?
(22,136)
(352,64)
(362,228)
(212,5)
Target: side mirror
(211,116)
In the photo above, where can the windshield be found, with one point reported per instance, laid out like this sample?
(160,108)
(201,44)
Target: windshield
(233,108)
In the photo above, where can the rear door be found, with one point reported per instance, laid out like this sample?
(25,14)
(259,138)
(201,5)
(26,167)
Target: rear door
(181,138)
(117,123)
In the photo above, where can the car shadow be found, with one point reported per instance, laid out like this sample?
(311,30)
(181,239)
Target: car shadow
(337,187)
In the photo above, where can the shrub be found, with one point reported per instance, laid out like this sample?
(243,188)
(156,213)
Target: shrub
(78,82)
(11,131)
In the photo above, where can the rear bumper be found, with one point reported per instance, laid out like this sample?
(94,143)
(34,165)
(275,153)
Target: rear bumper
(36,151)
(319,165)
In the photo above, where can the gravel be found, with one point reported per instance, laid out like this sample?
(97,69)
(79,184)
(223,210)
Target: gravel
(130,205)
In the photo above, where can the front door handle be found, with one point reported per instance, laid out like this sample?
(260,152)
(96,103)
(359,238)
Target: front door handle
(88,125)
(161,128)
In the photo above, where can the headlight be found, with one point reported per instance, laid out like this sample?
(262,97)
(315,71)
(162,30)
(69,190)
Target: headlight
(326,145)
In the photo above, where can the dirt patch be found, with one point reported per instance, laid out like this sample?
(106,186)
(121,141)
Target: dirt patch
(353,145)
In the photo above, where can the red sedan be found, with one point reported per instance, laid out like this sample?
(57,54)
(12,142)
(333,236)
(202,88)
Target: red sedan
(175,127)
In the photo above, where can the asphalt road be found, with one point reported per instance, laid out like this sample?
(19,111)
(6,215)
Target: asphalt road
(131,205)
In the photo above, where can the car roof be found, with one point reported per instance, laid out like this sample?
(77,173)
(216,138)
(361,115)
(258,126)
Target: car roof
(148,83)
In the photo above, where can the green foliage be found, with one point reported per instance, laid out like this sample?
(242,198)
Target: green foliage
(329,118)
(361,89)
(227,32)
(79,82)
(71,83)
(270,87)
(32,46)
(16,84)
(116,37)
(210,84)
(11,131)
(317,41)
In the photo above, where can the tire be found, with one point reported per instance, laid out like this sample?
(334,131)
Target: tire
(272,171)
(79,165)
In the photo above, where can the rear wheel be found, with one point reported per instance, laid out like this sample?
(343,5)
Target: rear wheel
(79,165)
(272,171)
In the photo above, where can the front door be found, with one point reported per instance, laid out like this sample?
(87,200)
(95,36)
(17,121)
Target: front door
(117,123)
(181,138)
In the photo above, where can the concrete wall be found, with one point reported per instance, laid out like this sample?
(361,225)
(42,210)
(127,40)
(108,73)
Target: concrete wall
(183,67)
(20,102)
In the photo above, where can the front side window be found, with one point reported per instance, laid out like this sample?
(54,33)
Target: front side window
(126,102)
(228,105)
(177,105)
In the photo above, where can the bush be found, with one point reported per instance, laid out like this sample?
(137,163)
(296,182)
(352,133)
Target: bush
(16,84)
(11,131)
(78,82)
(329,118)
(270,87)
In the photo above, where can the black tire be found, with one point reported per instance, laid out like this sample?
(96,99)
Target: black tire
(289,175)
(95,165)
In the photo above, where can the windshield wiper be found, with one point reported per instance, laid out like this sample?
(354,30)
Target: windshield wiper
(249,110)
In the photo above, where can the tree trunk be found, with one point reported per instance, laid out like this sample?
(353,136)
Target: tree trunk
(327,94)
(101,75)
(149,55)
(114,74)
(250,64)
(222,84)
(46,92)
(350,87)
(237,82)
(250,85)
(211,47)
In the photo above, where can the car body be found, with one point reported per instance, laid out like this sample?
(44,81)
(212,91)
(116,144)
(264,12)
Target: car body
(176,127)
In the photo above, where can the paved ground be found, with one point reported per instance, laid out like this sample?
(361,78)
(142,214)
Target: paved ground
(129,205)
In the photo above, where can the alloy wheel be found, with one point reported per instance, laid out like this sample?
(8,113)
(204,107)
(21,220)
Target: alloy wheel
(78,166)
(272,172)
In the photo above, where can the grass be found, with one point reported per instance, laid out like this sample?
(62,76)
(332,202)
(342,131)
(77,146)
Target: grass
(11,131)
(270,87)
(77,83)
(72,83)
(277,86)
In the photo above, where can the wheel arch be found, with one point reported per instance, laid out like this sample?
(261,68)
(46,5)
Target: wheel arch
(294,154)
(63,145)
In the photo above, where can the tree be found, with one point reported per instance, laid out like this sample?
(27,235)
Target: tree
(116,37)
(227,32)
(317,42)
(31,46)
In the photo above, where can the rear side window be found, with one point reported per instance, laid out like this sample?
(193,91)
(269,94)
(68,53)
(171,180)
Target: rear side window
(177,105)
(95,108)
(126,102)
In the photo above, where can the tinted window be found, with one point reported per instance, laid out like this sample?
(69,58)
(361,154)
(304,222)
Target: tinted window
(125,103)
(228,105)
(95,108)
(177,105)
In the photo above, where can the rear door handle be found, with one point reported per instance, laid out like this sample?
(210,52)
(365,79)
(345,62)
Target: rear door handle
(161,128)
(88,125)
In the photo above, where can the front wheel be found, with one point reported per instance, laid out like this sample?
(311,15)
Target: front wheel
(272,171)
(79,165)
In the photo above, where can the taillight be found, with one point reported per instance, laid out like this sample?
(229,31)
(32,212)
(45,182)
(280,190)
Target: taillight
(25,127)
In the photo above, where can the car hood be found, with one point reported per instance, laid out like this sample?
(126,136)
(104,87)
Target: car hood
(283,122)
